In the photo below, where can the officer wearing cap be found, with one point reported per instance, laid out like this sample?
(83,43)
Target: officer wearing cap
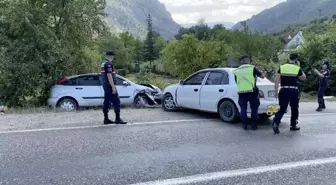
(324,78)
(287,76)
(109,80)
(246,77)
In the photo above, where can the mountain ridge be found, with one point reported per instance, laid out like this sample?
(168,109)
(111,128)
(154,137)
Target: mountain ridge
(287,13)
(227,25)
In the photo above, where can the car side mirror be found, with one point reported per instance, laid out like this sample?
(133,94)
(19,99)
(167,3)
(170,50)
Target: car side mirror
(181,82)
(125,83)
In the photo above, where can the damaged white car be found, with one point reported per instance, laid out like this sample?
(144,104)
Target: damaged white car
(70,93)
(215,90)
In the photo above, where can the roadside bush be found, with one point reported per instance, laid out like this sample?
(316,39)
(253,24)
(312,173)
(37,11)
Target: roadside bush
(144,76)
(122,72)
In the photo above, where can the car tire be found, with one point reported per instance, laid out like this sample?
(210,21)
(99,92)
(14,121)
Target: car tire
(67,104)
(228,111)
(264,116)
(138,104)
(168,103)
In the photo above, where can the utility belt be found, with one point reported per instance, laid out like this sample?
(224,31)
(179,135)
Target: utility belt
(289,87)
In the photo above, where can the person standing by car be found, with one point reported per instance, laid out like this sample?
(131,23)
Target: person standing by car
(287,76)
(324,78)
(110,91)
(246,78)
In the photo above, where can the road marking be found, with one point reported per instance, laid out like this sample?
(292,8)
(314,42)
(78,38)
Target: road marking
(99,126)
(315,114)
(240,172)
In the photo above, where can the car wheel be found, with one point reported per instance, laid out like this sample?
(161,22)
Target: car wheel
(228,111)
(264,116)
(68,104)
(168,103)
(138,102)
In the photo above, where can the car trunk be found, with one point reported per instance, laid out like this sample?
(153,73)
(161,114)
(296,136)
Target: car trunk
(267,88)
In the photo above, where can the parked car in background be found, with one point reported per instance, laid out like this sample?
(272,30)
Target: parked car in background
(215,90)
(85,90)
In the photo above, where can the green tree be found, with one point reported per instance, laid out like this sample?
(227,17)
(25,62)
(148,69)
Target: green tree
(43,40)
(201,30)
(149,51)
(159,45)
(138,54)
(181,58)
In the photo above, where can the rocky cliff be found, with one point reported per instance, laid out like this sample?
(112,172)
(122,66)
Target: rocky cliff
(131,15)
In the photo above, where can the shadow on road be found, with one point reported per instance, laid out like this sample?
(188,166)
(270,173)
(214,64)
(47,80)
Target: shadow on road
(204,115)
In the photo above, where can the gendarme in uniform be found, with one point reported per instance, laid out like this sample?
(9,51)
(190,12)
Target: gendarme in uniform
(289,93)
(324,78)
(247,90)
(108,68)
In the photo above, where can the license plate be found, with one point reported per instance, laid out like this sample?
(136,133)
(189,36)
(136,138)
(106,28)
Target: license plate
(271,93)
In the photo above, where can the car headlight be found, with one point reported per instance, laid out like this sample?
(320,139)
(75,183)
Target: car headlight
(148,91)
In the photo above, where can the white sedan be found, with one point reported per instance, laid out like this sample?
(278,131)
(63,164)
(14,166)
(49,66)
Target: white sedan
(215,90)
(70,93)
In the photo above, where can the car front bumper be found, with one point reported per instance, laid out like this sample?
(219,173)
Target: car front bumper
(158,97)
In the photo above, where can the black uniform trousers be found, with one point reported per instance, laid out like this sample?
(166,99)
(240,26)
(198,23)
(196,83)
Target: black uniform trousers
(253,99)
(288,96)
(320,95)
(110,98)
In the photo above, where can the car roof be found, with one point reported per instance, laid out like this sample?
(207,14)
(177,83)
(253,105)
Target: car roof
(86,74)
(219,69)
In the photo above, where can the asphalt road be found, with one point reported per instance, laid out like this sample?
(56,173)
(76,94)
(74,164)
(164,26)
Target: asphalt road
(179,152)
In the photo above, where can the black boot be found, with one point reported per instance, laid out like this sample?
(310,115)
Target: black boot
(323,106)
(254,126)
(319,108)
(118,120)
(276,128)
(107,121)
(294,127)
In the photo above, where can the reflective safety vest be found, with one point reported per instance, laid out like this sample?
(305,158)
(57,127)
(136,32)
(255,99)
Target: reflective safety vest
(245,78)
(289,70)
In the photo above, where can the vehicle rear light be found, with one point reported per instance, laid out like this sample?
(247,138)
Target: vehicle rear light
(61,80)
(261,94)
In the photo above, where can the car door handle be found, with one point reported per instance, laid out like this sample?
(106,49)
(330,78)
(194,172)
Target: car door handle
(79,88)
(221,90)
(195,90)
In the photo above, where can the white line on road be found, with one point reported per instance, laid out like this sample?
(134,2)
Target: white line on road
(315,114)
(99,126)
(240,172)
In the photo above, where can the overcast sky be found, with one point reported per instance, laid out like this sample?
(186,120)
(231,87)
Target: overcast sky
(189,11)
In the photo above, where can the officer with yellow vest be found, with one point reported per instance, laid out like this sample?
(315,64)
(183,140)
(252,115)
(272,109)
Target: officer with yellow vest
(287,76)
(246,76)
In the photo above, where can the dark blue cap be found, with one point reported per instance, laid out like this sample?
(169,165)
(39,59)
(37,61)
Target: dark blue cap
(110,53)
(293,56)
(244,56)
